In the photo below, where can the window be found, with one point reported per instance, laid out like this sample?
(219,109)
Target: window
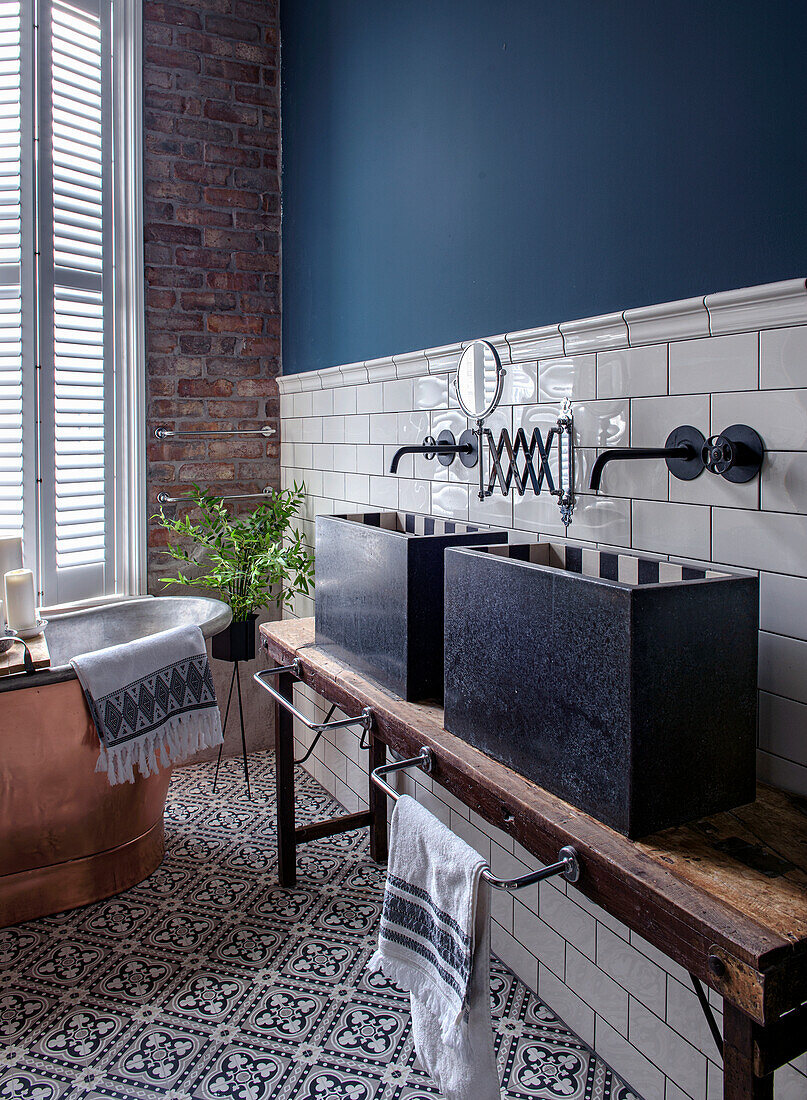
(70,293)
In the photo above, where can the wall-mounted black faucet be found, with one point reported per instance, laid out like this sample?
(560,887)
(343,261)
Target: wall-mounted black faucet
(445,448)
(682,452)
(735,454)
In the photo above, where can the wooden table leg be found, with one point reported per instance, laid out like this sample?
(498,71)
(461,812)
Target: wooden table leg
(739,1080)
(378,803)
(284,779)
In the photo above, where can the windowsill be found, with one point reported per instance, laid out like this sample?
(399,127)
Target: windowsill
(86,605)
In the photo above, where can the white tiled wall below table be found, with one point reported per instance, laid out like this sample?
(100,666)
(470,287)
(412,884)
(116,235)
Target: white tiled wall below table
(339,430)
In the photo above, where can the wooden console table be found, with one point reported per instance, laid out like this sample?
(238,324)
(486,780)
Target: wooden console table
(725,897)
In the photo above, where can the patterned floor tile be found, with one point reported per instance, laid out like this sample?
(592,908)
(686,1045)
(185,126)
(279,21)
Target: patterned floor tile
(210,982)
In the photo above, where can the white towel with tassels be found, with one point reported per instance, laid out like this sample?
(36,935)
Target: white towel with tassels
(435,943)
(152,701)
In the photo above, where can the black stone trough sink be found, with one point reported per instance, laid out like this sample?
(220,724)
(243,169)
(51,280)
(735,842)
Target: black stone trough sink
(626,686)
(379,595)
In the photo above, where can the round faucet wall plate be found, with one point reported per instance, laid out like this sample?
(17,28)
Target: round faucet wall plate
(446,437)
(470,438)
(686,469)
(749,447)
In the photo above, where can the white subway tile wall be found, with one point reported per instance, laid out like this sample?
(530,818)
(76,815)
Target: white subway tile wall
(616,990)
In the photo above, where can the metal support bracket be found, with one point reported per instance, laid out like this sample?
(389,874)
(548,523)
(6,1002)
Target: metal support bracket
(568,865)
(703,1001)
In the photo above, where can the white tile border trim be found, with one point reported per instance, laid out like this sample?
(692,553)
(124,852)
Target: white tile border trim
(536,343)
(683,320)
(771,305)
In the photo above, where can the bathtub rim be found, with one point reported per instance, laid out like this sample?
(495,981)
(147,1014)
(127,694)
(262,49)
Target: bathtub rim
(219,618)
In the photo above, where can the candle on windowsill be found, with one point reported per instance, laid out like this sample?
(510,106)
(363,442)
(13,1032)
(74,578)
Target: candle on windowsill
(10,558)
(20,599)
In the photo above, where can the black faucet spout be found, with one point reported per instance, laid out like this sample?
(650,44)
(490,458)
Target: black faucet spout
(444,448)
(683,453)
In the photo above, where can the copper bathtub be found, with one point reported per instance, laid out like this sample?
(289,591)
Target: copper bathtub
(66,837)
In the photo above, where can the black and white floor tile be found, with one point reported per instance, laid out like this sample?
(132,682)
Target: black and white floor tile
(210,982)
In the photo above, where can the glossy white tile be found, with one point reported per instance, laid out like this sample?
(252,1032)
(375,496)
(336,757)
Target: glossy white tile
(781,773)
(685,1016)
(344,400)
(783,728)
(370,398)
(514,955)
(573,377)
(357,429)
(780,416)
(565,1003)
(783,358)
(431,392)
(664,528)
(608,999)
(646,1079)
(783,481)
(711,489)
(560,912)
(783,605)
(631,969)
(653,418)
(715,364)
(771,541)
(632,372)
(322,402)
(450,499)
(674,1055)
(383,492)
(398,395)
(544,942)
(520,384)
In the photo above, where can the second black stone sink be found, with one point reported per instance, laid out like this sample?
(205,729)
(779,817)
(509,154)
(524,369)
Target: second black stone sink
(624,685)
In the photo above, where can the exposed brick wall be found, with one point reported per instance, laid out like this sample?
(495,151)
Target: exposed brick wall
(212,244)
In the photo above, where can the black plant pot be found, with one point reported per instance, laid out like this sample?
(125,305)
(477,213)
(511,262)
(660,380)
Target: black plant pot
(237,642)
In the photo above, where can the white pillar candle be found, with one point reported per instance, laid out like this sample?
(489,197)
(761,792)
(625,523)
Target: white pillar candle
(10,553)
(10,558)
(20,599)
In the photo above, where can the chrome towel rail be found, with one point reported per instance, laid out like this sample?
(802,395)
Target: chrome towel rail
(568,864)
(164,498)
(172,433)
(365,719)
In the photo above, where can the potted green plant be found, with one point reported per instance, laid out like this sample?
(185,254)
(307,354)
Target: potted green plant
(250,561)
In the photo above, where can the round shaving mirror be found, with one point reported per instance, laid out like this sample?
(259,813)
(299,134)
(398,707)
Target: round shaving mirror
(479,380)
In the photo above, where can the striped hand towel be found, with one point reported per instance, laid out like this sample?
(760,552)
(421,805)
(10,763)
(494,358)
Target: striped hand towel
(435,943)
(148,698)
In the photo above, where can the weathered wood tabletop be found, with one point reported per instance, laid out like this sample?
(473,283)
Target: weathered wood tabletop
(12,661)
(725,897)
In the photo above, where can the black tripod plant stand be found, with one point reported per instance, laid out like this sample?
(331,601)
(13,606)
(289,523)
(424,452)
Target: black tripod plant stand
(236,679)
(235,644)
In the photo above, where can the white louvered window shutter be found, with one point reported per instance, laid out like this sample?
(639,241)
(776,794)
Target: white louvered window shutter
(76,355)
(17,405)
(71,452)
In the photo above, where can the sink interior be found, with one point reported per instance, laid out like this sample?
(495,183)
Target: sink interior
(606,565)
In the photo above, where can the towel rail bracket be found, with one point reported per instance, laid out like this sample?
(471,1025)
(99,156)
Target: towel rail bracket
(568,865)
(365,719)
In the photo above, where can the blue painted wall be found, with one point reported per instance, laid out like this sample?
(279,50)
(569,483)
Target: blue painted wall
(455,168)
